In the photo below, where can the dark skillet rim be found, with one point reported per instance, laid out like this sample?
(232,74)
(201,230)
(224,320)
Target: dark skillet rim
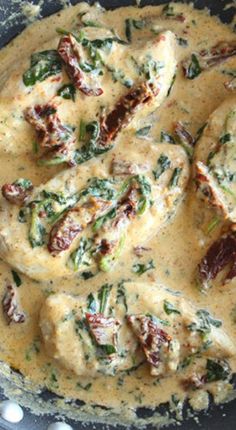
(216,417)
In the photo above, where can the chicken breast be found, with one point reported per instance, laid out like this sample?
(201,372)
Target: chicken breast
(119,328)
(215,162)
(87,217)
(146,74)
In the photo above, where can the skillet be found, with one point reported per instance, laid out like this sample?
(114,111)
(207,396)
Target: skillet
(216,418)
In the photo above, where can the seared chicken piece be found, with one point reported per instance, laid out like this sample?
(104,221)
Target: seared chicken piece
(80,219)
(166,333)
(215,161)
(147,71)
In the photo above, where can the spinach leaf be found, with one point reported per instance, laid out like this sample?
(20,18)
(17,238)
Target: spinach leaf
(171,85)
(67,91)
(163,163)
(225,138)
(128,29)
(170,309)
(103,219)
(90,149)
(121,294)
(84,387)
(37,231)
(103,188)
(203,326)
(42,65)
(166,137)
(108,349)
(91,303)
(119,76)
(174,180)
(87,274)
(141,268)
(16,278)
(217,370)
(143,131)
(157,320)
(77,256)
(182,42)
(194,68)
(103,295)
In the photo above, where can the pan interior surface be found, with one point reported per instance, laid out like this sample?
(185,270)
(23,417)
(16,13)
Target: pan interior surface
(37,400)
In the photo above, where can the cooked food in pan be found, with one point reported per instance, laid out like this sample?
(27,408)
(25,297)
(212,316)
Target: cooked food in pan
(118,209)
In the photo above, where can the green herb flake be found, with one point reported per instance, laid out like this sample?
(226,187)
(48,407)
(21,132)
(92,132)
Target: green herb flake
(194,69)
(225,138)
(91,303)
(42,65)
(170,309)
(204,323)
(163,163)
(16,278)
(84,387)
(103,296)
(141,268)
(144,131)
(166,137)
(217,370)
(182,42)
(174,180)
(67,91)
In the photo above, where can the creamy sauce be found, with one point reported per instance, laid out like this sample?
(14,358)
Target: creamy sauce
(176,249)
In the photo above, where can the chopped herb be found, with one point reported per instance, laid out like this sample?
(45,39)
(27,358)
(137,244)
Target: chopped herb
(91,303)
(158,320)
(34,348)
(84,387)
(37,230)
(225,138)
(170,309)
(171,85)
(168,10)
(42,65)
(121,294)
(163,163)
(82,130)
(108,349)
(35,147)
(22,216)
(16,278)
(182,42)
(128,29)
(87,275)
(67,91)
(140,268)
(144,131)
(194,68)
(103,295)
(174,180)
(138,24)
(119,76)
(213,224)
(188,360)
(77,257)
(90,149)
(103,219)
(205,321)
(166,137)
(217,370)
(199,133)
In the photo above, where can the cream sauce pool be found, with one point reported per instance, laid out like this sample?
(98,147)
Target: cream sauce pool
(175,250)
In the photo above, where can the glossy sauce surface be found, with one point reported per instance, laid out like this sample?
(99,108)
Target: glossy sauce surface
(175,250)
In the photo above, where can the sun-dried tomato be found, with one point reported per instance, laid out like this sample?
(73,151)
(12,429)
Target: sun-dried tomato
(69,51)
(10,306)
